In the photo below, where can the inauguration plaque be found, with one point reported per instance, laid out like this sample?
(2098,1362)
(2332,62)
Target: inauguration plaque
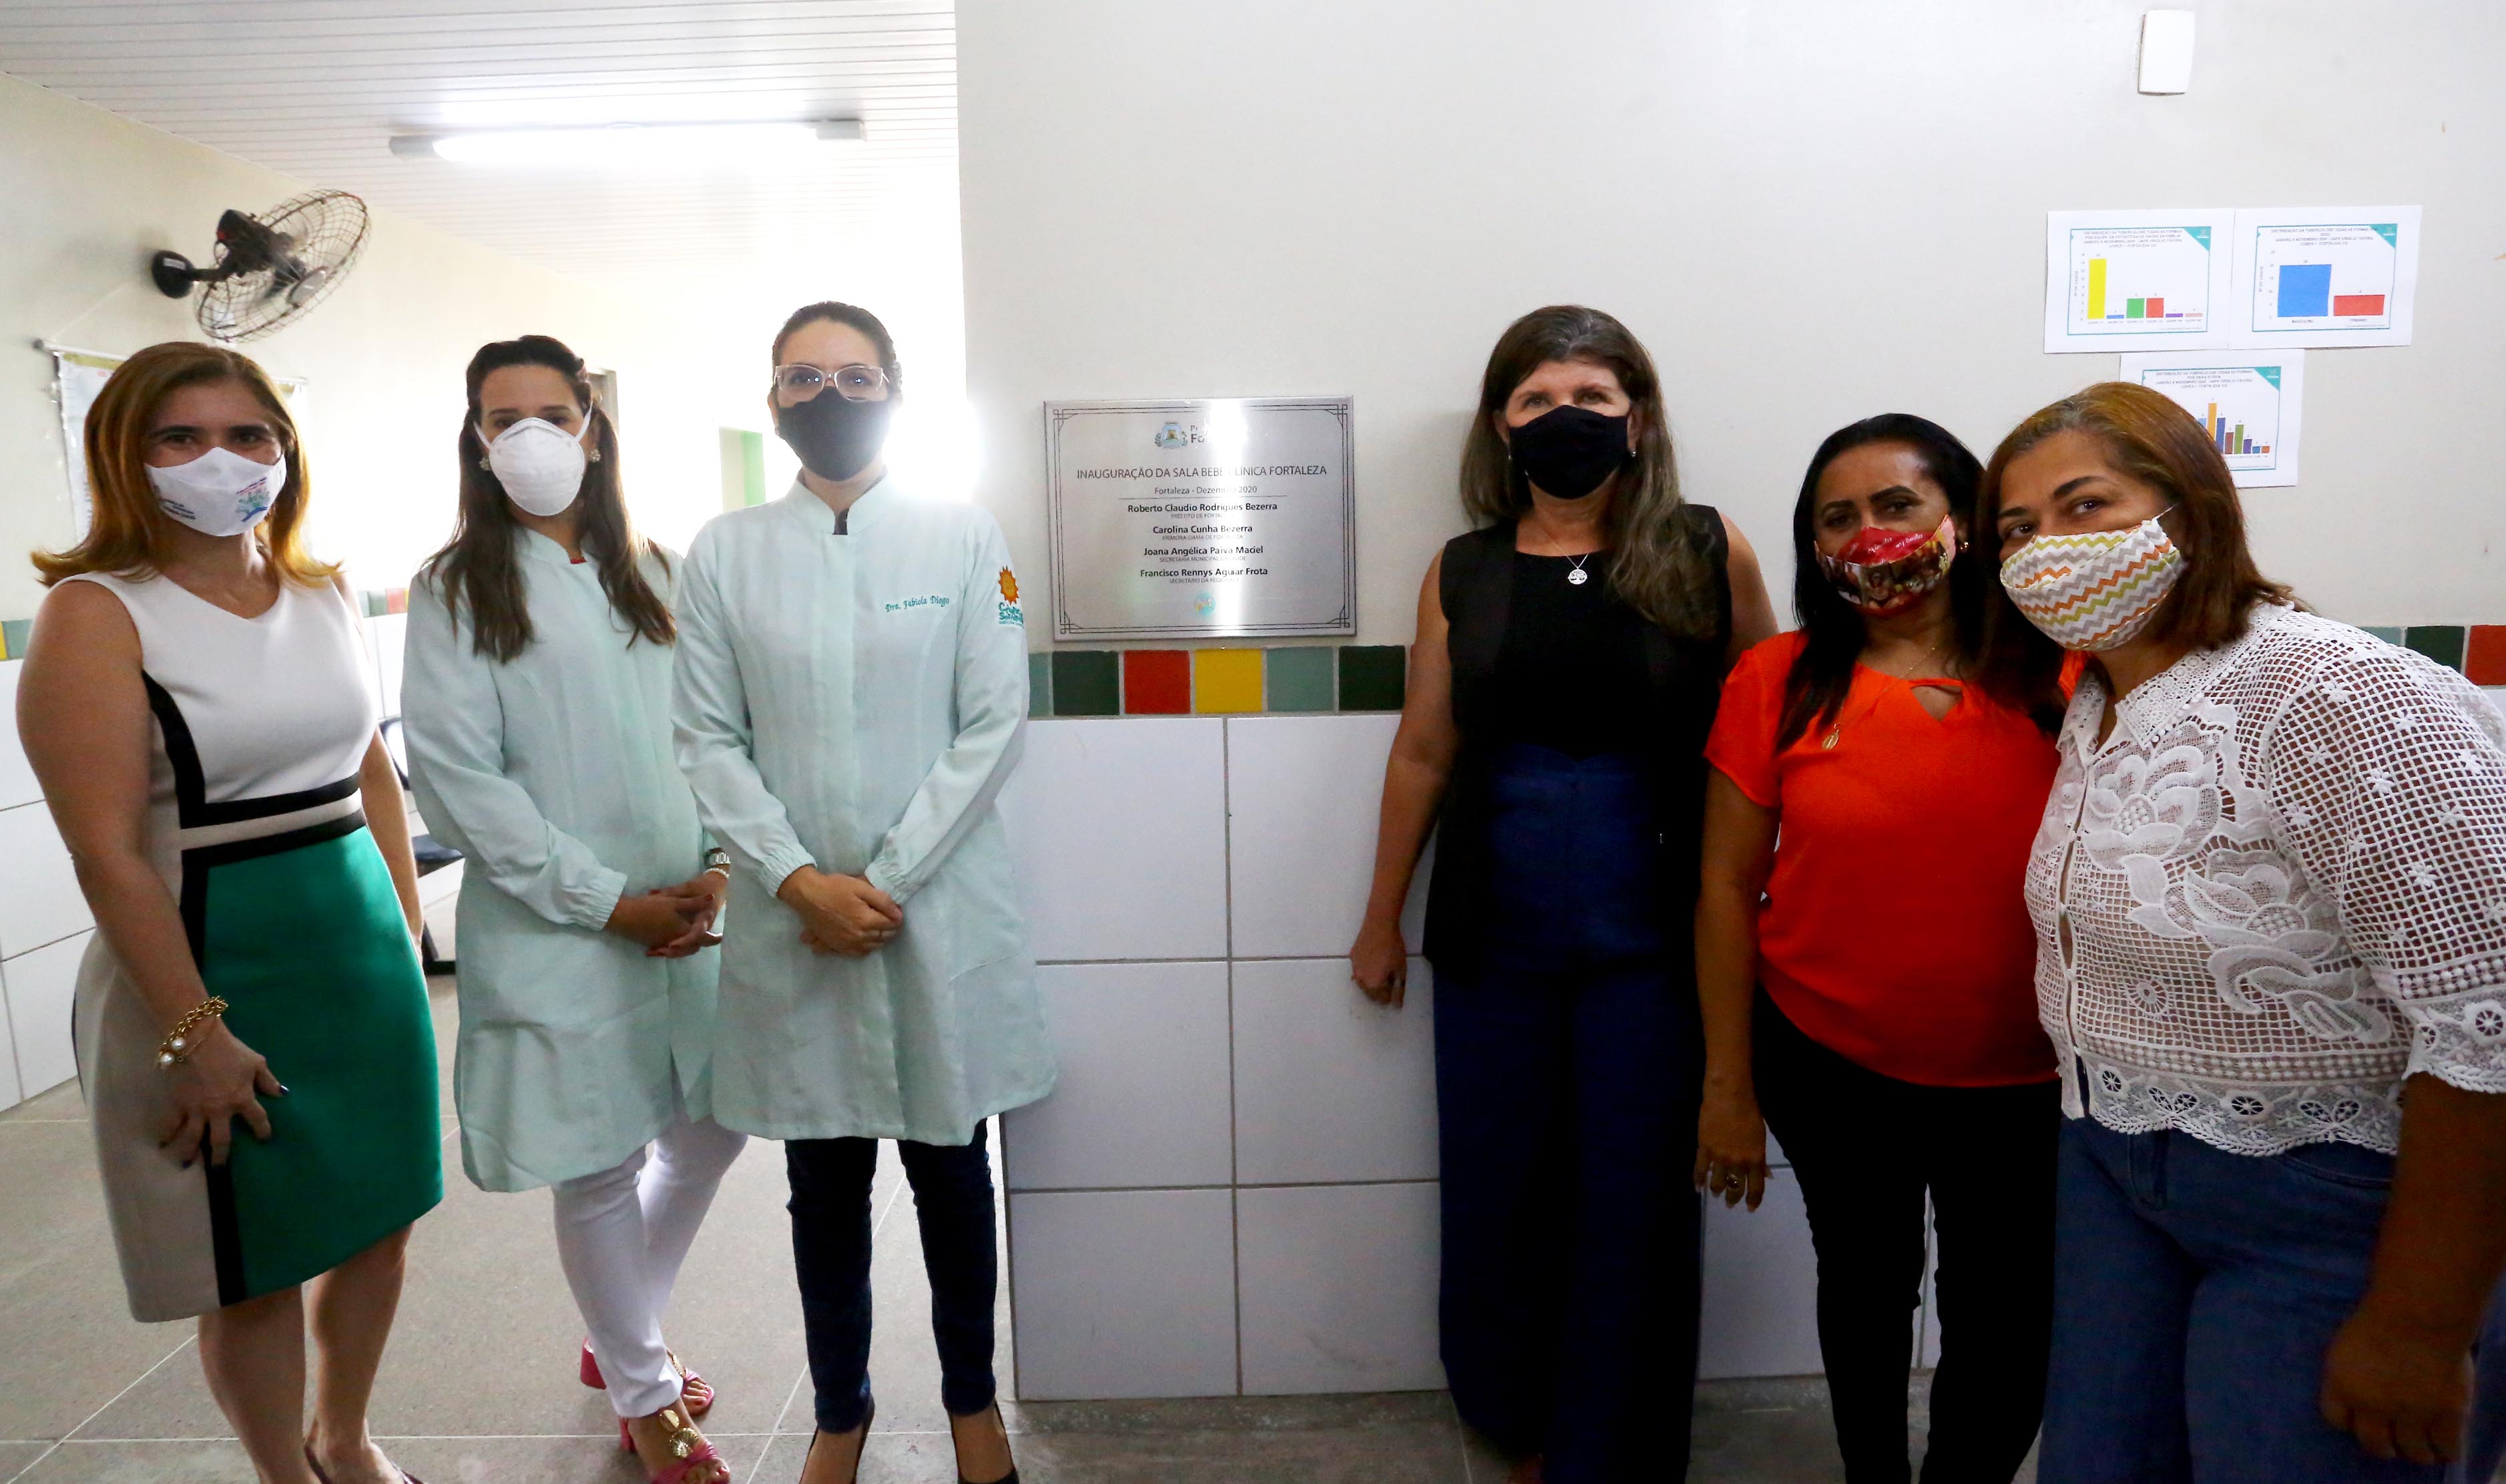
(1202,519)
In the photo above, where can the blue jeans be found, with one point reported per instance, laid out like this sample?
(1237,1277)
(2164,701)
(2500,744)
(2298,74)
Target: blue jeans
(831,1232)
(2196,1292)
(1568,1065)
(2486,1447)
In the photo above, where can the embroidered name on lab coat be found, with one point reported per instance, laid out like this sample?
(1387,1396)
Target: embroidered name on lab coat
(933,601)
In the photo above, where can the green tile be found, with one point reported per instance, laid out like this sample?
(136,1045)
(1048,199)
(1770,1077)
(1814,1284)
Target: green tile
(376,605)
(1301,679)
(1086,682)
(14,635)
(2441,642)
(2389,633)
(1371,678)
(1039,684)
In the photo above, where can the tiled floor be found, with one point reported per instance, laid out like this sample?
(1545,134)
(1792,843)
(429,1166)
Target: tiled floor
(480,1385)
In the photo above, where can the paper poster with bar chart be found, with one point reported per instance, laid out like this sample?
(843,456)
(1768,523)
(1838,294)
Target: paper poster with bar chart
(2250,406)
(2135,280)
(2345,276)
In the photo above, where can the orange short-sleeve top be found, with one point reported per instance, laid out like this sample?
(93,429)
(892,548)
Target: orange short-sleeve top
(1895,932)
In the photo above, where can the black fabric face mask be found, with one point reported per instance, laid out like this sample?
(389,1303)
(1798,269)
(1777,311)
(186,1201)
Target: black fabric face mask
(1569,451)
(835,437)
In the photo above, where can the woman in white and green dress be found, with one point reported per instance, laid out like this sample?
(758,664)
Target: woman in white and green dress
(196,706)
(537,701)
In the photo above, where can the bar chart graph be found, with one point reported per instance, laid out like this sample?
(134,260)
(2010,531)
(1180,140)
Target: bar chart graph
(2324,276)
(2133,281)
(2249,409)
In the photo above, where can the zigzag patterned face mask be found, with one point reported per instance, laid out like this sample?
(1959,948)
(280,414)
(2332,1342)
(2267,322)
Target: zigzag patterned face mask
(2097,590)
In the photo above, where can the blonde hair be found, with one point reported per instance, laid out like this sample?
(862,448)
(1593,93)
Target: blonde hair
(129,534)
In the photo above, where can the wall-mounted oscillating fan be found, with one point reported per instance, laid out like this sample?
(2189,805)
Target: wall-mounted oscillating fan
(271,267)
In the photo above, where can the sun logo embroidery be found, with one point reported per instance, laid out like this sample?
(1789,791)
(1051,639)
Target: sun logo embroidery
(1011,613)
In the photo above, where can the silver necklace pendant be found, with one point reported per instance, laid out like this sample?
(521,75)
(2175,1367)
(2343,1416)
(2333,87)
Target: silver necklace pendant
(1577,576)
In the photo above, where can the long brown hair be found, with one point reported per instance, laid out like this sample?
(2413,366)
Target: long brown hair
(1654,564)
(129,534)
(479,567)
(2146,436)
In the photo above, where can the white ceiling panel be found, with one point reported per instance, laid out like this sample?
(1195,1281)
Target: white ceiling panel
(316,89)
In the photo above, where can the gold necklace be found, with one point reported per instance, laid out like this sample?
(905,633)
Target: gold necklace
(1828,743)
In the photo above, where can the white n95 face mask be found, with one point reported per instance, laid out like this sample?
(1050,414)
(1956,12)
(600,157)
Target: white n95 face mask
(221,493)
(538,463)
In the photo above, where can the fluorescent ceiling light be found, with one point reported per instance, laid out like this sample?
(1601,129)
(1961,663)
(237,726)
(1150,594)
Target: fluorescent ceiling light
(630,144)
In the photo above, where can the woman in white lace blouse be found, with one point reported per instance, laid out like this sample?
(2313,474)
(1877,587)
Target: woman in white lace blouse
(2270,894)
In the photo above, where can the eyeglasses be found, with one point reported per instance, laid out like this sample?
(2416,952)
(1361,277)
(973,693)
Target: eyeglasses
(854,383)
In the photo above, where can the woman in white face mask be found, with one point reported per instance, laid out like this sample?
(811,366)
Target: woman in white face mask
(196,706)
(537,697)
(2269,901)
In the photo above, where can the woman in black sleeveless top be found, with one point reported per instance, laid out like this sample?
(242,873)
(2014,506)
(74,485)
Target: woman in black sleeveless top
(1569,658)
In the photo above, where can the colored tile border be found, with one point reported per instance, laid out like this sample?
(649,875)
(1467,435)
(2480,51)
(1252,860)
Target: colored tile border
(1372,678)
(1039,684)
(1156,682)
(1226,681)
(2484,656)
(2441,642)
(1086,682)
(1320,679)
(1304,679)
(14,635)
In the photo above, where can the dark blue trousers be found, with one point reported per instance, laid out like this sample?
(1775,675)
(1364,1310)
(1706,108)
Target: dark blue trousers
(1568,1067)
(831,1232)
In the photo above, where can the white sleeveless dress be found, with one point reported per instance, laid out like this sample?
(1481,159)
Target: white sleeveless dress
(255,824)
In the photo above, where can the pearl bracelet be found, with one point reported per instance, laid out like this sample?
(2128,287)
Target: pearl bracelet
(176,1048)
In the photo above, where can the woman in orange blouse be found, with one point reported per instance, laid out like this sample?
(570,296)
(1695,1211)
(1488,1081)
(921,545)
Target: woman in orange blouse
(1867,980)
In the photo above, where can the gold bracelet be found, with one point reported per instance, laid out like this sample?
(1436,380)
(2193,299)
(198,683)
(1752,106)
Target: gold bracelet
(176,1048)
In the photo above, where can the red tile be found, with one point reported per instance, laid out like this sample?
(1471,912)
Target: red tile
(2484,659)
(1156,682)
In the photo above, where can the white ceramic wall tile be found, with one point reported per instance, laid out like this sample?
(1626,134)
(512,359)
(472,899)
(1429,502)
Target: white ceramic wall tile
(1142,1097)
(1761,1314)
(1927,1332)
(1123,1293)
(9,1096)
(17,776)
(1120,831)
(40,901)
(1337,1289)
(1302,794)
(1330,1085)
(40,986)
(389,632)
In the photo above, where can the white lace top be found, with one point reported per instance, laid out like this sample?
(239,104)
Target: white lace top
(2278,889)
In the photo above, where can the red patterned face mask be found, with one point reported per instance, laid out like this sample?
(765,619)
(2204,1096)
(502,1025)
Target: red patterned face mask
(1882,571)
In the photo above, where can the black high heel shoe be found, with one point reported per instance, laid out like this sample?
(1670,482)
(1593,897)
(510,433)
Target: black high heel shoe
(1011,1477)
(816,1432)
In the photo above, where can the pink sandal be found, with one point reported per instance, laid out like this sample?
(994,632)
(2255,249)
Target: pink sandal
(693,1390)
(687,1448)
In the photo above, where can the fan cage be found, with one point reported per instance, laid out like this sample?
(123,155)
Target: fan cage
(329,229)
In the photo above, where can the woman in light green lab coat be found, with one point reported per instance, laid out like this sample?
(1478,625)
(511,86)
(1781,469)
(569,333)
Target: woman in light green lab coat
(851,696)
(536,699)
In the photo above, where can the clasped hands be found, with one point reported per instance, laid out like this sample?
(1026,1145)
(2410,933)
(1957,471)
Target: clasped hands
(672,921)
(841,914)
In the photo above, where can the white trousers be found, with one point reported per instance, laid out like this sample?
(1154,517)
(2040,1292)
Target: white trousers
(622,1235)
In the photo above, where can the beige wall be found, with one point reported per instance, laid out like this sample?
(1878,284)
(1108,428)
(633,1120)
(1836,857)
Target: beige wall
(86,197)
(1812,212)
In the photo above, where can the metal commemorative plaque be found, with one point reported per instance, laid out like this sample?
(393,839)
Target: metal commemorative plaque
(1176,520)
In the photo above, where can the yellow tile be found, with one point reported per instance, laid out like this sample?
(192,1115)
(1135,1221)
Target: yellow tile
(1226,681)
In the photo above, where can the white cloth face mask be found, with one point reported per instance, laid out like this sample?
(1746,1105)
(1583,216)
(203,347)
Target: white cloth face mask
(538,463)
(221,493)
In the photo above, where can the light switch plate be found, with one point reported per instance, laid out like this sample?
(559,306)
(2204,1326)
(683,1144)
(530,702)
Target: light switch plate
(2165,51)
